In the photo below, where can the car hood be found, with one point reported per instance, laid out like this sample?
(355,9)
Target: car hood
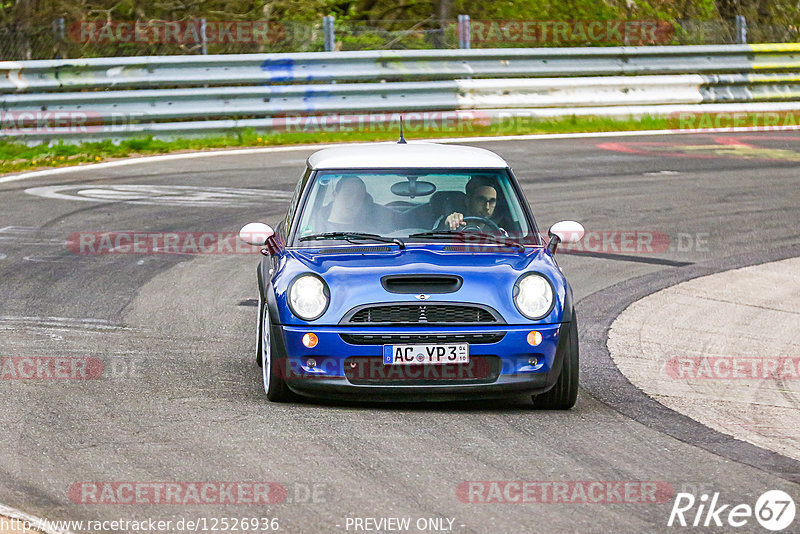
(353,276)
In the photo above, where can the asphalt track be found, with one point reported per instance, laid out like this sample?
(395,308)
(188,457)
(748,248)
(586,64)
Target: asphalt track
(180,398)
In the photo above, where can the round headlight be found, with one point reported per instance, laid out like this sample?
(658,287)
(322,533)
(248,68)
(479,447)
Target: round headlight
(533,295)
(308,297)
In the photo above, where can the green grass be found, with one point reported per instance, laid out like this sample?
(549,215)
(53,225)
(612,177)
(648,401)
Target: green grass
(15,157)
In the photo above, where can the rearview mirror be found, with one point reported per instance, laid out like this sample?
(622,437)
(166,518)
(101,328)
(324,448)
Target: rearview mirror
(256,233)
(564,232)
(413,188)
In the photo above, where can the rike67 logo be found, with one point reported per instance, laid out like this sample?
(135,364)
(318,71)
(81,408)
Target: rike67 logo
(774,510)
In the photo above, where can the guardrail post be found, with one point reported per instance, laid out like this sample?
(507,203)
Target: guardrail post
(203,37)
(464,37)
(741,29)
(327,28)
(59,36)
(58,29)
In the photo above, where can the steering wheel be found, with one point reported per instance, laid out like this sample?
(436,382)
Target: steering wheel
(473,227)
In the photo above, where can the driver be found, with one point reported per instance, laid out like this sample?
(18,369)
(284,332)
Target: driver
(481,202)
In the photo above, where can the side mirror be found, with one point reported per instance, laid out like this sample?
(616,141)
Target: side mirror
(259,234)
(564,232)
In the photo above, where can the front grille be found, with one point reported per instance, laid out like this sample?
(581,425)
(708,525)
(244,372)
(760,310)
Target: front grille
(407,339)
(370,370)
(423,313)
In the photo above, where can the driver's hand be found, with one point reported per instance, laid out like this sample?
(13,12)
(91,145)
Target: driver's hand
(454,220)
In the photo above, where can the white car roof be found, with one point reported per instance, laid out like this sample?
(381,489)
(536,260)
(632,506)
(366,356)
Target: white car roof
(413,155)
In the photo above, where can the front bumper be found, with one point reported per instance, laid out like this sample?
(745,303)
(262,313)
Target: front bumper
(347,362)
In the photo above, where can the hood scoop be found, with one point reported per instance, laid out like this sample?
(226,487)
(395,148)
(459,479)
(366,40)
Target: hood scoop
(422,283)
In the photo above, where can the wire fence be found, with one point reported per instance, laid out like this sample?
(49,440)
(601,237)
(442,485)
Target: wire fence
(727,32)
(63,39)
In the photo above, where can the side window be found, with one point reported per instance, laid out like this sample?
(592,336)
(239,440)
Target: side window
(298,192)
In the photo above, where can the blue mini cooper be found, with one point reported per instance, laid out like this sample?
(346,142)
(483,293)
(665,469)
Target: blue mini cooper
(413,271)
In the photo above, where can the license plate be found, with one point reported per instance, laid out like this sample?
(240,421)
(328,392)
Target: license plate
(425,354)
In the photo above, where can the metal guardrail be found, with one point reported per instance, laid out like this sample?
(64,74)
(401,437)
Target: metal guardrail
(160,95)
(102,73)
(164,104)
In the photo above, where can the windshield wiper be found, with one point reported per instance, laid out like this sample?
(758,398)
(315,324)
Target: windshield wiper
(349,236)
(457,233)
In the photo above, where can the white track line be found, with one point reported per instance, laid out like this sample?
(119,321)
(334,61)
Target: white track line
(151,159)
(288,148)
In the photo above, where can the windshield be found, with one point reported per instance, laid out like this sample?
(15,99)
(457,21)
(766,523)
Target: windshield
(412,206)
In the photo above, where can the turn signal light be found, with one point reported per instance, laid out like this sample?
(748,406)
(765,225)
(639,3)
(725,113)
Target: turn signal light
(310,340)
(534,338)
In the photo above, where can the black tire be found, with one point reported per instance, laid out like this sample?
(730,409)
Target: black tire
(274,384)
(564,393)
